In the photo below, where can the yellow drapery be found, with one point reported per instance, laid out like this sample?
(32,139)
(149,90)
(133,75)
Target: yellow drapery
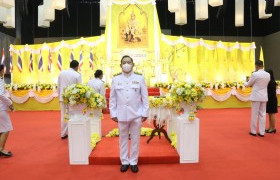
(157,56)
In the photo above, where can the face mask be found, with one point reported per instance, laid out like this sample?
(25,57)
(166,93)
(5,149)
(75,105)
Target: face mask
(126,67)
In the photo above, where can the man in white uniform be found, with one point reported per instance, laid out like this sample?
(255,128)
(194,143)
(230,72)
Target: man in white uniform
(97,84)
(129,108)
(65,79)
(259,81)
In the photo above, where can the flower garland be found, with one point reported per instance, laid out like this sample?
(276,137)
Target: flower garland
(83,94)
(144,132)
(94,139)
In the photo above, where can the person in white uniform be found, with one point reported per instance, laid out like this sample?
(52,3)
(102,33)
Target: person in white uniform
(259,81)
(97,84)
(65,79)
(129,108)
(5,122)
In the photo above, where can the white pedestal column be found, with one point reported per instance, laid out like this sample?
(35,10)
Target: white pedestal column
(95,121)
(188,139)
(79,139)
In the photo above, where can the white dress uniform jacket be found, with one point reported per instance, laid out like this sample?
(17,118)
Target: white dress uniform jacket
(65,79)
(129,97)
(98,86)
(259,80)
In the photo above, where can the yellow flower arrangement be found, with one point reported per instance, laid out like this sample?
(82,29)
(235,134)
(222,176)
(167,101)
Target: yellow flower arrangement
(113,133)
(94,139)
(147,131)
(46,86)
(221,85)
(83,94)
(191,115)
(187,92)
(173,138)
(162,102)
(38,87)
(163,85)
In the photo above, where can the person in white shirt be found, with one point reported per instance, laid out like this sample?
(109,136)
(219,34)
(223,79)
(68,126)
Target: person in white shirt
(259,81)
(65,79)
(5,122)
(129,108)
(97,84)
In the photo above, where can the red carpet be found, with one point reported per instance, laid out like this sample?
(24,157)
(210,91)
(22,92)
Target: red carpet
(226,152)
(158,151)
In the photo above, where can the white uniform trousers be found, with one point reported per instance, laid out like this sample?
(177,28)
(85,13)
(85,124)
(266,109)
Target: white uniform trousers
(134,127)
(258,113)
(64,125)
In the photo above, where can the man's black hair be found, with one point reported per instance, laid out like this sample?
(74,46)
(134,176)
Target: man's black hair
(98,73)
(74,64)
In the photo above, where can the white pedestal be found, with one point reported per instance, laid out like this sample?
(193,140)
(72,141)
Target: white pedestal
(79,139)
(188,139)
(95,121)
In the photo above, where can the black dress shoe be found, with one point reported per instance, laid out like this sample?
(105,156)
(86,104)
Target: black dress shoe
(252,134)
(9,154)
(64,137)
(134,168)
(270,131)
(260,135)
(124,167)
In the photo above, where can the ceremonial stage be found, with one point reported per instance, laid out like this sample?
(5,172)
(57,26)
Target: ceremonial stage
(226,151)
(51,101)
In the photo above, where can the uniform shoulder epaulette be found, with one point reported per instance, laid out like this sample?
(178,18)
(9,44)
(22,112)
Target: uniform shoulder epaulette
(117,74)
(138,73)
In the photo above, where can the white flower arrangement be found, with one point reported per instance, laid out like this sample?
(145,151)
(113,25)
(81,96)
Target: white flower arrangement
(83,94)
(187,92)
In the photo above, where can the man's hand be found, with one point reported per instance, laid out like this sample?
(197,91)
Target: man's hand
(11,107)
(144,119)
(115,119)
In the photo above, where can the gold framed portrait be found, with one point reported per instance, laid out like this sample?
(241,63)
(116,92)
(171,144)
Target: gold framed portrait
(133,28)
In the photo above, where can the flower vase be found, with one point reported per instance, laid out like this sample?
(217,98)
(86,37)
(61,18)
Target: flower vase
(187,108)
(76,111)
